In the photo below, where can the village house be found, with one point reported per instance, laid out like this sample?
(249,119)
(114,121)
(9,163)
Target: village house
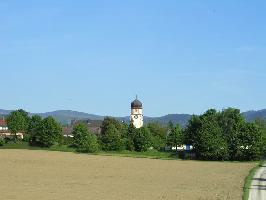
(94,126)
(3,125)
(4,132)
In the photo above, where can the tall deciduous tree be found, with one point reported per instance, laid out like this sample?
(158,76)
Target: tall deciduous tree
(142,139)
(251,142)
(50,132)
(261,125)
(34,128)
(17,121)
(112,135)
(129,137)
(209,143)
(158,133)
(175,137)
(231,121)
(84,141)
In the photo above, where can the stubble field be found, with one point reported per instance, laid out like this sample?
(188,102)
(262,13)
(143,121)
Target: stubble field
(45,175)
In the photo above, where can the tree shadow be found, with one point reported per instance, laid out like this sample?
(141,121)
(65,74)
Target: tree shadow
(259,179)
(258,187)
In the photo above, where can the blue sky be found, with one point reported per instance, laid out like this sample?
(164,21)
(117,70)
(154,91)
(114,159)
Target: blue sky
(94,56)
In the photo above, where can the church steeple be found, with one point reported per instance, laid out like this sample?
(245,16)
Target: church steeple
(136,113)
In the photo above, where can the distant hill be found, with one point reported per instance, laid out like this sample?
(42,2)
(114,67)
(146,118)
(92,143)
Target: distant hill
(182,119)
(5,112)
(66,116)
(252,115)
(63,116)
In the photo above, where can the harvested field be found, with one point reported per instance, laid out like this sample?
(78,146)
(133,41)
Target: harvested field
(45,175)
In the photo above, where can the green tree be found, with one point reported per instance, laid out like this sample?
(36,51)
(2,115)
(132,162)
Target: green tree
(80,133)
(210,144)
(34,128)
(92,143)
(50,132)
(261,124)
(158,133)
(84,141)
(232,123)
(25,114)
(112,135)
(129,137)
(250,142)
(175,136)
(117,124)
(112,139)
(17,121)
(225,136)
(142,139)
(192,130)
(2,142)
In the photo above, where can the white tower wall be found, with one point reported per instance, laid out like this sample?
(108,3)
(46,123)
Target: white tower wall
(137,117)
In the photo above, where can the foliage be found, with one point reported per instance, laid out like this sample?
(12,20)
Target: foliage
(80,133)
(113,135)
(231,122)
(50,133)
(175,136)
(192,129)
(26,138)
(250,139)
(92,143)
(68,141)
(138,139)
(17,121)
(261,124)
(2,141)
(224,136)
(158,135)
(209,143)
(83,140)
(129,137)
(34,129)
(142,139)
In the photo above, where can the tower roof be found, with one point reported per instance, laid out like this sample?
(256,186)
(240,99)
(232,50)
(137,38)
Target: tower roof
(136,104)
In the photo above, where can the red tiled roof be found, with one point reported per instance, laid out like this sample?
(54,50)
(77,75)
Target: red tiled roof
(67,130)
(3,122)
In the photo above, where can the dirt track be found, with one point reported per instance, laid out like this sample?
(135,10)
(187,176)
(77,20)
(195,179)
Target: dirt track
(258,185)
(30,175)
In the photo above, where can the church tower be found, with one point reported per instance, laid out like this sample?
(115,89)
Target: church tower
(136,113)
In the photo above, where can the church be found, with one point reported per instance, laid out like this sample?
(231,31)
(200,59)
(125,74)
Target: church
(136,117)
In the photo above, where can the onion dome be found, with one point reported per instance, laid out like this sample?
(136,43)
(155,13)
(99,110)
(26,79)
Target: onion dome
(136,104)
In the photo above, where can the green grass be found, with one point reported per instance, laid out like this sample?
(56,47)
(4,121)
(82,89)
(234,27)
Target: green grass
(249,179)
(25,145)
(154,154)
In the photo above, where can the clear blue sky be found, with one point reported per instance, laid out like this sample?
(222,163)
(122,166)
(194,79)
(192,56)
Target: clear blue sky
(94,56)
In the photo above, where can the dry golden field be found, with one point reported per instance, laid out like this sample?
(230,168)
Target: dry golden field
(45,175)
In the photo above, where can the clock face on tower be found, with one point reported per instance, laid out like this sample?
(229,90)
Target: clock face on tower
(136,116)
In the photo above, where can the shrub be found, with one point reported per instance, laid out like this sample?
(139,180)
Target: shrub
(142,139)
(113,135)
(92,145)
(2,141)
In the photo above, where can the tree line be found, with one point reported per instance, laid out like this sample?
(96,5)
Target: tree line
(214,135)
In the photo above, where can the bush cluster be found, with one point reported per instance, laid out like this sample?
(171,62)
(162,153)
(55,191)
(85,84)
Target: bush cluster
(214,135)
(224,136)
